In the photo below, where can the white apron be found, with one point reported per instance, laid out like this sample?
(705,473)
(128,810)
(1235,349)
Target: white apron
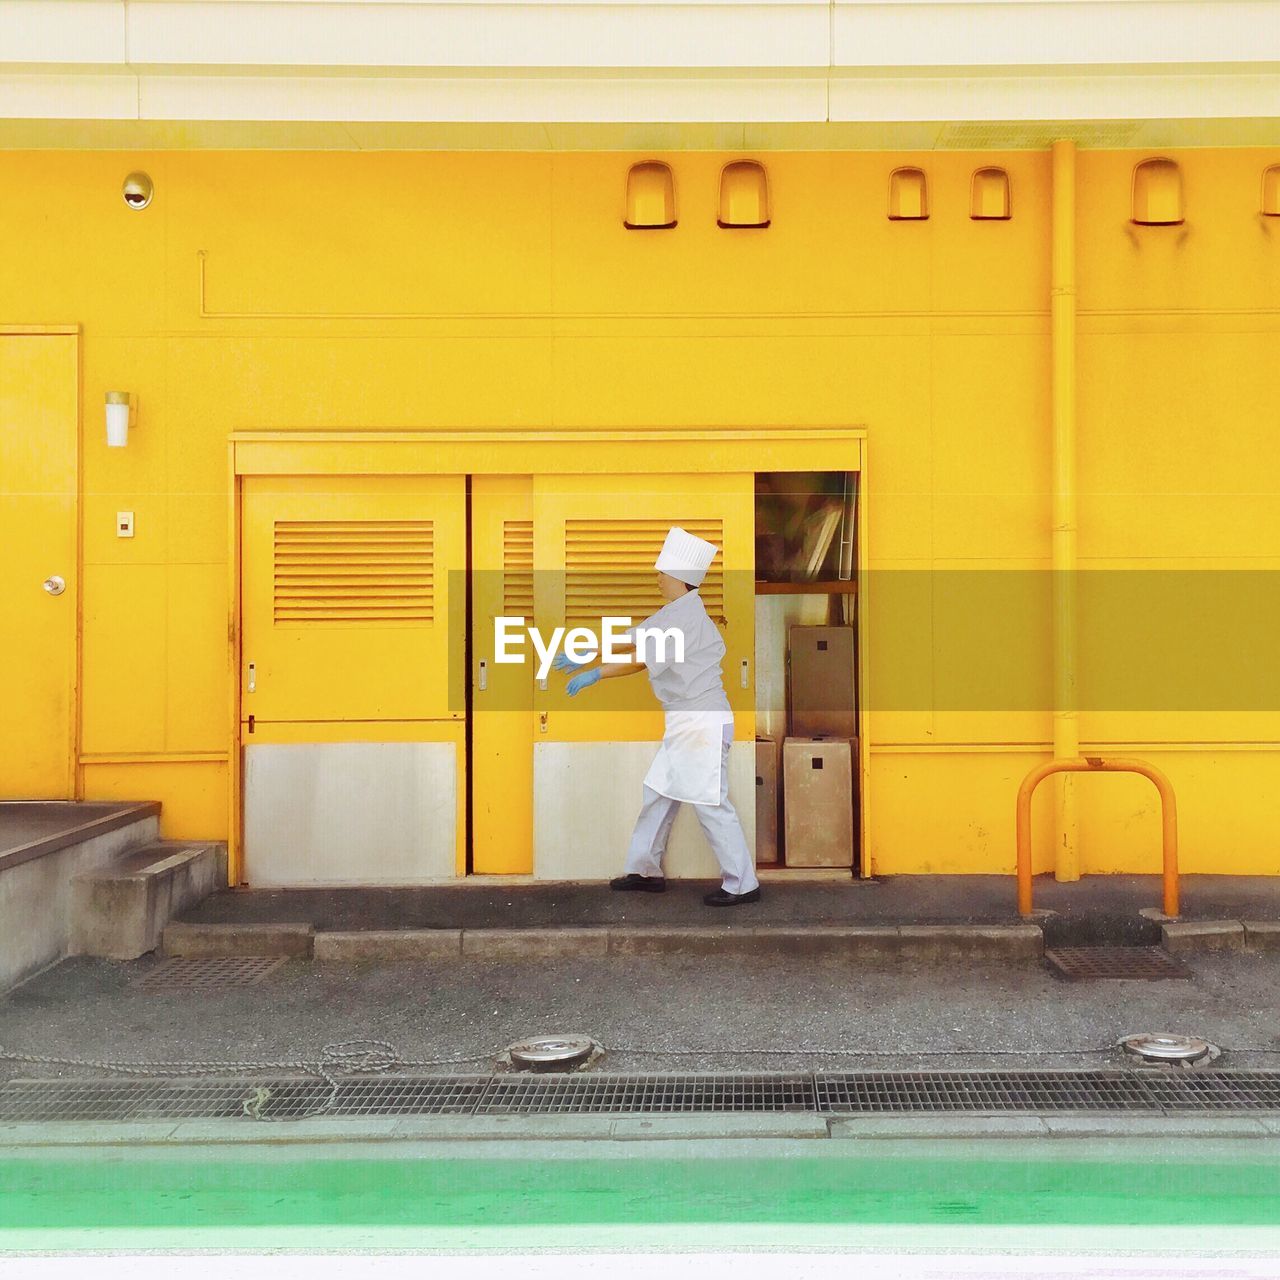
(687,766)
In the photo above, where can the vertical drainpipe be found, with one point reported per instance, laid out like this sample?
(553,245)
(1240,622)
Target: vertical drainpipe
(1066,730)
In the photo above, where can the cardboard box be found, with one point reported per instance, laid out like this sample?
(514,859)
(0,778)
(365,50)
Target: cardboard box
(767,798)
(822,698)
(817,801)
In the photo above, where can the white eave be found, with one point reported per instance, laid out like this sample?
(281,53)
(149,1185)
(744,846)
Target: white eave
(589,73)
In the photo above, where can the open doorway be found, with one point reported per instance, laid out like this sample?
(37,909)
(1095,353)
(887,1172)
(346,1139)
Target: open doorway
(806,628)
(323,687)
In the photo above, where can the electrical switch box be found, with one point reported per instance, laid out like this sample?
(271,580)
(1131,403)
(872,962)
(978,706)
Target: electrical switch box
(817,801)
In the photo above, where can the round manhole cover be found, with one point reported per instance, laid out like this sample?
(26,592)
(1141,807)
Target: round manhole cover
(551,1053)
(1166,1047)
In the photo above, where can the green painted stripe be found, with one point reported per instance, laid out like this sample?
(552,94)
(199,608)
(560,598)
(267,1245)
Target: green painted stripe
(198,1191)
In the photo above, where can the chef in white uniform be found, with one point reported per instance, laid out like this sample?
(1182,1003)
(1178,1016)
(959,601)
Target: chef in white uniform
(692,765)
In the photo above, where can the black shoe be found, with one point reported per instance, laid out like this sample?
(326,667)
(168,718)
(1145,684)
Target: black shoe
(646,884)
(723,898)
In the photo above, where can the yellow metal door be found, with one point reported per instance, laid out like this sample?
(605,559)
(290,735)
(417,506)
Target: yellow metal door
(38,574)
(596,538)
(502,726)
(595,542)
(348,606)
(353,679)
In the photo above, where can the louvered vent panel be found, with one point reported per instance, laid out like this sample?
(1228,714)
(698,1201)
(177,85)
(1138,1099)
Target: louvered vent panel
(609,568)
(517,568)
(345,572)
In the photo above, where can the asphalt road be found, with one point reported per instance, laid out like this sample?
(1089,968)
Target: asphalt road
(656,1013)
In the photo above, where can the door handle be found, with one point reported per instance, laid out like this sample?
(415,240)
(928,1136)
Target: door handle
(55,585)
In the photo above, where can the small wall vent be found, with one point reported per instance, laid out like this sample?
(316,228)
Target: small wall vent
(908,195)
(1157,193)
(989,199)
(651,197)
(744,195)
(1271,191)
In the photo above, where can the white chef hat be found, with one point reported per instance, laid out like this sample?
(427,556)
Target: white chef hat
(685,556)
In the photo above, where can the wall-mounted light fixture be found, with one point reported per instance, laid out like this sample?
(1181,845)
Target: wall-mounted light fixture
(117,419)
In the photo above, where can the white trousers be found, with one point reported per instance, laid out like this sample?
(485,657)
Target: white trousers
(720,825)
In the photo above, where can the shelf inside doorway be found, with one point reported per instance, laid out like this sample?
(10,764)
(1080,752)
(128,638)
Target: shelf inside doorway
(848,588)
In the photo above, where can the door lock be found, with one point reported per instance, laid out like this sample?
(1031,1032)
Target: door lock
(746,673)
(483,680)
(253,676)
(55,586)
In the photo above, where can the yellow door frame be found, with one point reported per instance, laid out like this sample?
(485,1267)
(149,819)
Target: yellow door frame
(500,727)
(532,452)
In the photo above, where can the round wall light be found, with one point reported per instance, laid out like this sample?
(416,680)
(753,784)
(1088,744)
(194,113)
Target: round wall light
(138,190)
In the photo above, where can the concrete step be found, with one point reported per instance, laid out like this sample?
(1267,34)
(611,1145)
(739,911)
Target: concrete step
(120,911)
(855,942)
(183,938)
(43,846)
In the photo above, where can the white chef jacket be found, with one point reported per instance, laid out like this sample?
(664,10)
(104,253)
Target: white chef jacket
(696,714)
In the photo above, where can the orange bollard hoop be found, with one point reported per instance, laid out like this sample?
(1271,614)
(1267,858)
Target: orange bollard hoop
(1096,764)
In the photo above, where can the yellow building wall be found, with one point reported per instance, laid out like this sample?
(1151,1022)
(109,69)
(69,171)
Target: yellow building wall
(401,290)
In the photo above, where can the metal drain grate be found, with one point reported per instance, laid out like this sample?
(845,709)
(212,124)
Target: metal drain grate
(1026,1091)
(84,1100)
(1159,1091)
(381,1096)
(646,1094)
(1178,1089)
(208,973)
(1087,964)
(73,1100)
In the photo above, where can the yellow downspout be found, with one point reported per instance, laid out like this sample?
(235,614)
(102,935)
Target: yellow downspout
(1066,730)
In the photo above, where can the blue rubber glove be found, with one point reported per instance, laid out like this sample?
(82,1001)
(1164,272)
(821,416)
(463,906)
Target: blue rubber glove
(584,680)
(562,662)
